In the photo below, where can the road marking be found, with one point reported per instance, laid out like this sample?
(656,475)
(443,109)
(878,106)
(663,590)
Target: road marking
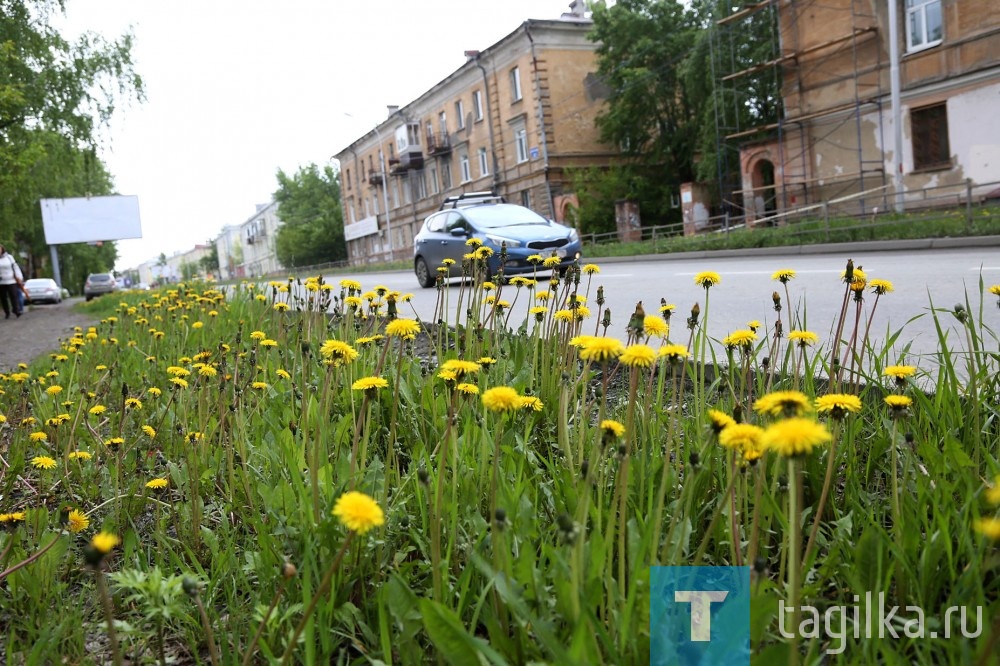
(986,268)
(797,272)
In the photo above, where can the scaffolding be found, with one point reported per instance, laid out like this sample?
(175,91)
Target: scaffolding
(822,62)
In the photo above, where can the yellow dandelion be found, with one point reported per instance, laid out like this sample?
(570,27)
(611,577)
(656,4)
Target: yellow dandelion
(281,307)
(838,405)
(803,338)
(358,512)
(782,403)
(602,349)
(881,287)
(38,436)
(673,353)
(177,381)
(531,402)
(743,339)
(402,328)
(988,527)
(795,436)
(157,484)
(468,389)
(133,403)
(612,428)
(551,262)
(43,462)
(369,384)
(149,430)
(720,420)
(501,399)
(783,275)
(97,410)
(707,279)
(899,372)
(105,542)
(79,455)
(741,437)
(460,367)
(55,389)
(590,269)
(638,355)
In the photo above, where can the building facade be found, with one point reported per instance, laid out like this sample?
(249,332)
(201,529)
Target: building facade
(835,139)
(257,243)
(513,120)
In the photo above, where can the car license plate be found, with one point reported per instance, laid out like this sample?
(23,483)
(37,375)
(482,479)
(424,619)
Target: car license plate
(561,253)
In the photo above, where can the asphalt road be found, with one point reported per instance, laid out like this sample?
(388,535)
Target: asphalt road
(943,277)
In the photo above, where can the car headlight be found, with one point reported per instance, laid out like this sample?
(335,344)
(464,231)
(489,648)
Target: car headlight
(573,236)
(497,240)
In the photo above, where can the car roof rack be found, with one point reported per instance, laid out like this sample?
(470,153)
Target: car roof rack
(471,199)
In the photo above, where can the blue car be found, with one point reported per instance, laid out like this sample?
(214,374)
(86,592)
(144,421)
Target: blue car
(494,222)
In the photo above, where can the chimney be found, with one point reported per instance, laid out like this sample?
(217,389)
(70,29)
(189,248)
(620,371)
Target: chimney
(471,55)
(393,109)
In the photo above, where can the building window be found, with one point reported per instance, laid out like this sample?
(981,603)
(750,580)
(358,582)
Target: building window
(395,193)
(443,122)
(460,114)
(484,165)
(923,24)
(347,177)
(463,163)
(929,129)
(434,180)
(420,186)
(515,84)
(526,198)
(521,144)
(446,175)
(407,197)
(477,105)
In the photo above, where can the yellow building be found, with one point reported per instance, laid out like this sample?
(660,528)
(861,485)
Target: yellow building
(512,119)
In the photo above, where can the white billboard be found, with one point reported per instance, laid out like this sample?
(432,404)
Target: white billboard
(89,219)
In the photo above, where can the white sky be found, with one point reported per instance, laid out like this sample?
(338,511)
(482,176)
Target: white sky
(236,90)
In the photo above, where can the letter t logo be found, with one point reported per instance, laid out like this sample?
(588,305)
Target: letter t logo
(701,610)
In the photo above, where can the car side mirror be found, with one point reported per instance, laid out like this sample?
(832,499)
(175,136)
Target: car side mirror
(459,232)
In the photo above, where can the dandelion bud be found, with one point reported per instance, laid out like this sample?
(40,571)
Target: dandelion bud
(293,427)
(567,527)
(760,565)
(191,586)
(584,469)
(607,319)
(738,413)
(778,328)
(423,476)
(600,295)
(782,483)
(305,348)
(765,362)
(849,272)
(776,297)
(500,517)
(124,390)
(960,313)
(622,450)
(908,438)
(694,459)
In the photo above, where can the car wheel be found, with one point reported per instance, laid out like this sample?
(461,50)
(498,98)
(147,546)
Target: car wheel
(424,276)
(88,298)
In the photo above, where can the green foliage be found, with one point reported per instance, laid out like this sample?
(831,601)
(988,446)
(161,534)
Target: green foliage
(210,262)
(312,230)
(54,98)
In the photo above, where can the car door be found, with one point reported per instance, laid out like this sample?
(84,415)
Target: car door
(457,230)
(431,241)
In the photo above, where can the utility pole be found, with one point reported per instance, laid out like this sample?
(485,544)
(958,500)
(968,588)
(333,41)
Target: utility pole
(897,111)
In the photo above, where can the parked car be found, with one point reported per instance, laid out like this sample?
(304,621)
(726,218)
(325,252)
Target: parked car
(493,221)
(43,290)
(98,284)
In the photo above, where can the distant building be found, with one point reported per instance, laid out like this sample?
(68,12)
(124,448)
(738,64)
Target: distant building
(258,237)
(229,247)
(834,138)
(513,119)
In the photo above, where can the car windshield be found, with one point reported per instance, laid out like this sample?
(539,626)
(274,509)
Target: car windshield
(502,215)
(39,282)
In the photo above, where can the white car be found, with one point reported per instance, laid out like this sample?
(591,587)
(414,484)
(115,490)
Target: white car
(43,290)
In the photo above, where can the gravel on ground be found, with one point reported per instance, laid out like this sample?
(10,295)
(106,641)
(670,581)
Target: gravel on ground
(38,331)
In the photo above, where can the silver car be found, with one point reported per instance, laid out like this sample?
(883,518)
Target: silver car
(43,290)
(99,283)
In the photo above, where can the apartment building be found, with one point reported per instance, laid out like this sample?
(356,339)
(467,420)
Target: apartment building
(258,237)
(513,119)
(835,138)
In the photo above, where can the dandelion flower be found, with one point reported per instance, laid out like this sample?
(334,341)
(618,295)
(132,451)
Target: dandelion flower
(461,368)
(898,402)
(783,275)
(564,316)
(369,384)
(993,493)
(501,399)
(741,437)
(153,391)
(157,484)
(612,428)
(795,436)
(79,455)
(177,381)
(551,262)
(114,441)
(97,410)
(338,351)
(77,521)
(258,335)
(358,512)
(281,307)
(43,462)
(602,349)
(402,328)
(838,405)
(105,542)
(803,338)
(149,430)
(55,389)
(38,436)
(655,327)
(468,389)
(534,259)
(707,279)
(720,420)
(988,527)
(673,353)
(590,269)
(12,518)
(899,372)
(133,403)
(782,403)
(580,341)
(486,361)
(531,402)
(260,386)
(743,339)
(881,287)
(282,373)
(638,355)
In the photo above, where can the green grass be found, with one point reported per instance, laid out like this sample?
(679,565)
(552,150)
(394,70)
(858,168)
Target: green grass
(509,536)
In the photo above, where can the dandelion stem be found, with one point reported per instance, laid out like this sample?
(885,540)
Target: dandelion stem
(109,614)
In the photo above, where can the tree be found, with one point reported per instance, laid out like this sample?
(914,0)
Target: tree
(55,96)
(210,262)
(312,230)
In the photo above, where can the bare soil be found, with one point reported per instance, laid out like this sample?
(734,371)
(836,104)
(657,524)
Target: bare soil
(38,331)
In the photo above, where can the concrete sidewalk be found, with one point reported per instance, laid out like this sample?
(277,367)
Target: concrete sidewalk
(818,248)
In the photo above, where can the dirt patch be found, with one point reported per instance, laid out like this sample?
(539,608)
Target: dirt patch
(38,331)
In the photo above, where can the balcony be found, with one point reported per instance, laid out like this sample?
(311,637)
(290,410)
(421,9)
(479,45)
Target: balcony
(411,159)
(374,177)
(438,144)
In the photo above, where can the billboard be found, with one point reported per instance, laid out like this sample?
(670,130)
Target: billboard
(89,219)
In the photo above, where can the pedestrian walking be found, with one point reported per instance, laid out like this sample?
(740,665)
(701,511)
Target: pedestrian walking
(11,282)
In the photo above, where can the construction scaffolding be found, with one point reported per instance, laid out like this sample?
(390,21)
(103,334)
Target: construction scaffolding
(798,106)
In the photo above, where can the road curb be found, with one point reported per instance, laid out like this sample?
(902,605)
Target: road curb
(820,248)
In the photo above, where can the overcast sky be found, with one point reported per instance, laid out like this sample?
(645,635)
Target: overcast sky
(237,90)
